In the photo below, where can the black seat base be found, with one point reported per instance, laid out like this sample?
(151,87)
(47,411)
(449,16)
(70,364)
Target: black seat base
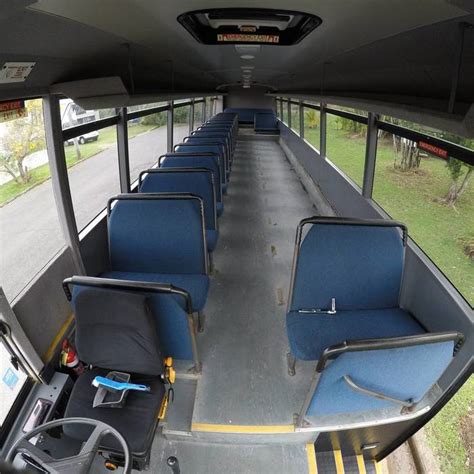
(136,421)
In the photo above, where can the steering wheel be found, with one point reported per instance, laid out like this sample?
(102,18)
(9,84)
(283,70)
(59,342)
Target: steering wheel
(78,464)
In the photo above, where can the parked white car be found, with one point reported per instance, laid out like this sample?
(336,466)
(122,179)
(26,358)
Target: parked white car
(87,137)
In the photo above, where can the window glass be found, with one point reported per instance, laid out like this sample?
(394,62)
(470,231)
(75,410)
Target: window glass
(285,113)
(345,146)
(434,197)
(180,123)
(92,162)
(197,115)
(295,118)
(30,233)
(11,383)
(147,141)
(311,126)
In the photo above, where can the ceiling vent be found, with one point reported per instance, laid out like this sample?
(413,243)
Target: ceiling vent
(249,26)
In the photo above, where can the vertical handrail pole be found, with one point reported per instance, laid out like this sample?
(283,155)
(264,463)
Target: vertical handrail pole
(289,112)
(191,116)
(169,126)
(370,155)
(301,111)
(123,152)
(322,129)
(60,180)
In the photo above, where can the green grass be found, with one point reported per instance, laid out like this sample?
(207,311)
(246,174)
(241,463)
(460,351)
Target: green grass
(448,431)
(107,138)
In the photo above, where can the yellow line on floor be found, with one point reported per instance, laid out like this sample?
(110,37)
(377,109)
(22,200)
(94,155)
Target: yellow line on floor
(339,461)
(252,429)
(378,468)
(311,454)
(361,464)
(57,339)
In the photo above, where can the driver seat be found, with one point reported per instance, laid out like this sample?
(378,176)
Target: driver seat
(115,330)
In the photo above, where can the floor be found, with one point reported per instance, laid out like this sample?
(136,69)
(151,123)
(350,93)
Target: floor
(244,345)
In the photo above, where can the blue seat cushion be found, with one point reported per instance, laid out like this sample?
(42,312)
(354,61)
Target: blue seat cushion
(310,334)
(211,239)
(197,285)
(219,208)
(404,373)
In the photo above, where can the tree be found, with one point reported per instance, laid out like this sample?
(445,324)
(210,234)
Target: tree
(406,152)
(461,173)
(311,118)
(22,137)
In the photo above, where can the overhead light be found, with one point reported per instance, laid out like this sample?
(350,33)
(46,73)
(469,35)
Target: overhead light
(246,86)
(247,56)
(247,67)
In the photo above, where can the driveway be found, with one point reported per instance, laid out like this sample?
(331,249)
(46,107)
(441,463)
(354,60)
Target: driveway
(30,234)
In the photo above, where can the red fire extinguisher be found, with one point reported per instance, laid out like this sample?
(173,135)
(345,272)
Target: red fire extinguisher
(69,358)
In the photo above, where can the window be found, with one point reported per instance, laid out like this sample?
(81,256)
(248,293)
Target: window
(147,141)
(285,113)
(92,162)
(311,126)
(345,146)
(434,197)
(180,123)
(197,115)
(295,118)
(30,233)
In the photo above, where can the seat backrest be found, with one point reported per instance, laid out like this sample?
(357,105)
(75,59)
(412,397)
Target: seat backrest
(116,330)
(403,373)
(199,137)
(265,121)
(200,145)
(157,235)
(195,181)
(359,265)
(189,160)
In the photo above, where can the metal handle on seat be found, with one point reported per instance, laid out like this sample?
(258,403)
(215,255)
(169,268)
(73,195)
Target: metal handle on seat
(372,393)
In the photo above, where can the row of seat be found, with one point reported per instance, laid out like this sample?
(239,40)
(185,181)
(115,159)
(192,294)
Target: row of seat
(166,232)
(147,305)
(344,312)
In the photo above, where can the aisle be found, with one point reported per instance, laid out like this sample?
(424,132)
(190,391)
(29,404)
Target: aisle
(244,345)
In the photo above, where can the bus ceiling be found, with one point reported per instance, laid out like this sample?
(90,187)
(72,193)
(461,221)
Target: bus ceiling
(417,59)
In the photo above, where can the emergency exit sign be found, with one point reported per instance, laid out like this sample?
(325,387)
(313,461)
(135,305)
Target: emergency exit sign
(12,110)
(433,149)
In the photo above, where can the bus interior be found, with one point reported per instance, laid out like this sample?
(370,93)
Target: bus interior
(235,236)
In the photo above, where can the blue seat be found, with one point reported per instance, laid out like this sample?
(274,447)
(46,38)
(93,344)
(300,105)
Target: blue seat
(344,305)
(196,285)
(197,181)
(311,334)
(162,239)
(266,123)
(198,160)
(400,374)
(246,115)
(198,145)
(219,137)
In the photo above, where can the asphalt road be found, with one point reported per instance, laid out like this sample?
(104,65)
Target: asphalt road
(30,234)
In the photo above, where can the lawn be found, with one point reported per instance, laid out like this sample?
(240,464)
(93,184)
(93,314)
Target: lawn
(107,138)
(441,231)
(450,432)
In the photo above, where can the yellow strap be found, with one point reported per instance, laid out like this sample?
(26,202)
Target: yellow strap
(361,464)
(311,455)
(163,408)
(339,461)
